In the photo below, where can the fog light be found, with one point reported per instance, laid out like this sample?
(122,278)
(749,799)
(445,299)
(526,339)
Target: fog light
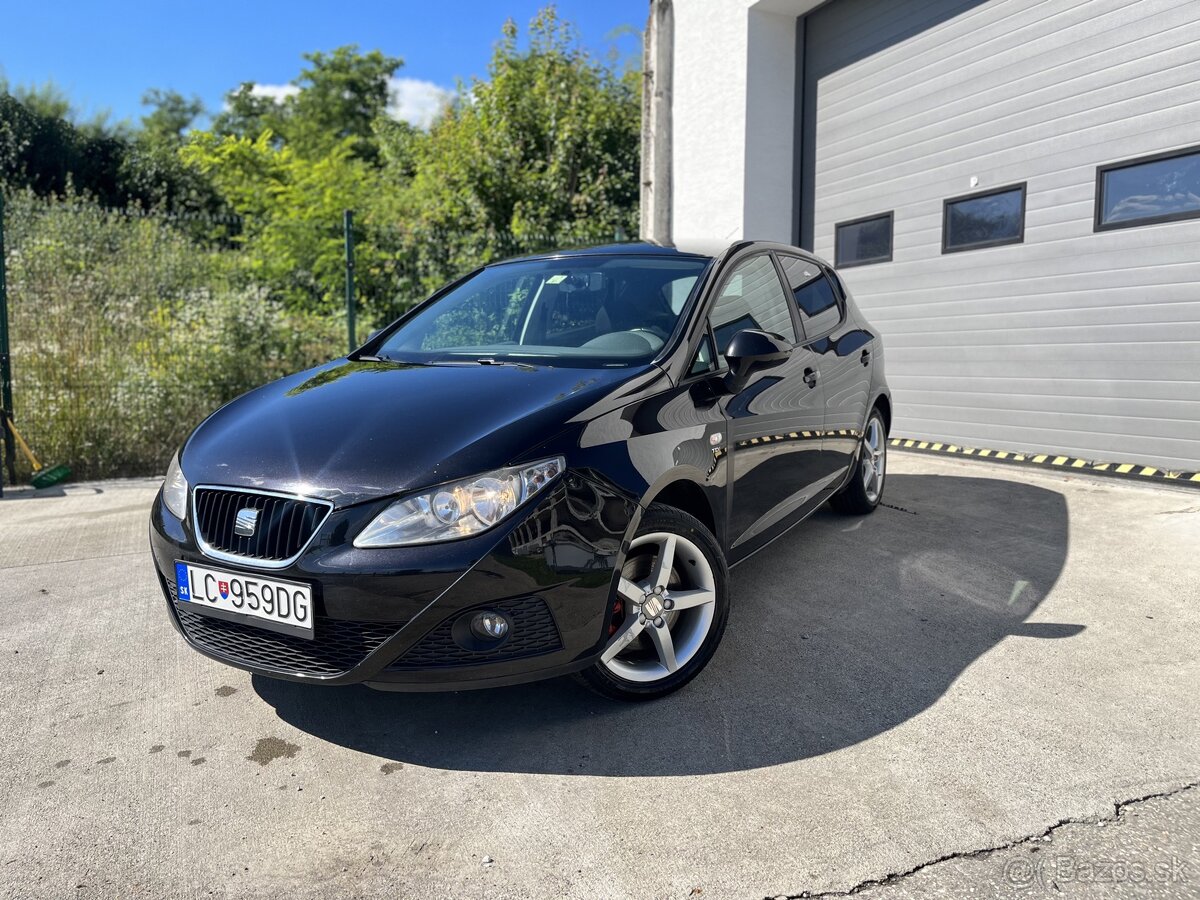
(489,625)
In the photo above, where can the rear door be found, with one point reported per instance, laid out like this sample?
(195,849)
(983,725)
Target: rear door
(776,417)
(840,347)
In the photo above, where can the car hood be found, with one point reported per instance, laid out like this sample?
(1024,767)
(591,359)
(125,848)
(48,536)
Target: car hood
(351,431)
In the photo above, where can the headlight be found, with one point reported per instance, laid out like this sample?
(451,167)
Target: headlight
(175,489)
(459,509)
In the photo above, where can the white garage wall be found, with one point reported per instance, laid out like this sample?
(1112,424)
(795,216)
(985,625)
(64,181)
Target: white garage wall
(733,118)
(1077,341)
(708,119)
(1073,341)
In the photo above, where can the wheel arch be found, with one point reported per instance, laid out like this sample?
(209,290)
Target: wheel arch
(884,404)
(688,496)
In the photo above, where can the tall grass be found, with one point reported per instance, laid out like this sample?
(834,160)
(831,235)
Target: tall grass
(127,329)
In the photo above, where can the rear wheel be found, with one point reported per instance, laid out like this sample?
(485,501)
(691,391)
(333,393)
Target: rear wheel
(669,611)
(865,489)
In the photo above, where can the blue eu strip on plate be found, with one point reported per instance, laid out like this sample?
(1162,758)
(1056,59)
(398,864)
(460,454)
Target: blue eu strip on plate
(182,585)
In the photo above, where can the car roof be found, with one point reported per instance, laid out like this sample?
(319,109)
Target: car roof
(696,248)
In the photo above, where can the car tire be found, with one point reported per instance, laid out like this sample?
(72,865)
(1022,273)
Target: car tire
(651,627)
(864,491)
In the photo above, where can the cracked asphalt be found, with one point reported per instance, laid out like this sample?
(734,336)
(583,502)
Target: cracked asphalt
(989,688)
(1147,847)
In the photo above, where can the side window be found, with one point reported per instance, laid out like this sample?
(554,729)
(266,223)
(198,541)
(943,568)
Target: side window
(815,296)
(752,298)
(703,360)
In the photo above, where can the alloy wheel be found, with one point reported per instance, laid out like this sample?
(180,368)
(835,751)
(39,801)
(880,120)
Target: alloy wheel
(874,460)
(668,597)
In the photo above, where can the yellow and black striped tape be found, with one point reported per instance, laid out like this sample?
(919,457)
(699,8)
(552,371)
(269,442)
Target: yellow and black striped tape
(798,436)
(1058,461)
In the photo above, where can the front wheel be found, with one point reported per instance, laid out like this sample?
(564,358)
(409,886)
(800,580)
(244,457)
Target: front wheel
(865,489)
(669,612)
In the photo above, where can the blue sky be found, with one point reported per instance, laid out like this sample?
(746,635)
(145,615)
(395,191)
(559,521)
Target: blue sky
(105,54)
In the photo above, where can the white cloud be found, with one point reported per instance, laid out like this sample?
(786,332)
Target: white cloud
(417,101)
(276,92)
(410,99)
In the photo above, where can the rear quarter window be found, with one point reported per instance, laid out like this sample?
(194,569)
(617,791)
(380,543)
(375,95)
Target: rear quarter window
(817,301)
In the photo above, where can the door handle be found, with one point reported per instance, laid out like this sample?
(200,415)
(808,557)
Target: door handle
(866,357)
(810,377)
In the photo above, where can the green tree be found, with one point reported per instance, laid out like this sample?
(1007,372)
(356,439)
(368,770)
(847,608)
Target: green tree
(49,101)
(544,150)
(246,113)
(398,142)
(292,166)
(152,169)
(171,115)
(338,96)
(292,206)
(46,100)
(43,150)
(341,95)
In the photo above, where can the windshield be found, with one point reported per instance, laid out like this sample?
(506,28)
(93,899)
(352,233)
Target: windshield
(581,311)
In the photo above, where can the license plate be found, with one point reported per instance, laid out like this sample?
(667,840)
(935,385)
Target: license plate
(267,602)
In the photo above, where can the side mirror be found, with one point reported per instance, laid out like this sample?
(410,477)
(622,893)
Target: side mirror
(752,350)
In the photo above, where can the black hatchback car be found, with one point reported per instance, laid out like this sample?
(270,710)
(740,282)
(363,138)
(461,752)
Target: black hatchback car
(545,468)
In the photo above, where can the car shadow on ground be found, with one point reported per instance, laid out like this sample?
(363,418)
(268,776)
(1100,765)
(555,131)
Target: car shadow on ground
(841,630)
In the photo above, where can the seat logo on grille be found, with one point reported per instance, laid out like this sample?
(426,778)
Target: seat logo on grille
(245,522)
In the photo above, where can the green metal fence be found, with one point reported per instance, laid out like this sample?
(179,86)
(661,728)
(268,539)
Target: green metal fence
(6,403)
(120,330)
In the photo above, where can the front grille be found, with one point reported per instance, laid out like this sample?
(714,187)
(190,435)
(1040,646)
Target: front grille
(338,645)
(284,527)
(532,630)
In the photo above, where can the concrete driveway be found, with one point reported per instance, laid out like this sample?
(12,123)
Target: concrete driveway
(997,652)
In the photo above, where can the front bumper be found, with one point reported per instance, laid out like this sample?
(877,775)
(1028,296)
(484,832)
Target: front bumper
(385,616)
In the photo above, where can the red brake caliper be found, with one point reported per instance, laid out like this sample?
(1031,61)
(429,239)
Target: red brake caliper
(618,616)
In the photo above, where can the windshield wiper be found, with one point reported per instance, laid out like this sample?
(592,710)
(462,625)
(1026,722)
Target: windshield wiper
(490,361)
(367,357)
(480,361)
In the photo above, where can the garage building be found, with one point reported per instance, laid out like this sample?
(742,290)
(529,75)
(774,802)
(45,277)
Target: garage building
(1011,187)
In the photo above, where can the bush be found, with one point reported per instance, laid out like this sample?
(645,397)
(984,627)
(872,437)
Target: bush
(127,329)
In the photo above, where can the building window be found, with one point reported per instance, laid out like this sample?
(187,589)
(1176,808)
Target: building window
(1160,188)
(863,241)
(986,219)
